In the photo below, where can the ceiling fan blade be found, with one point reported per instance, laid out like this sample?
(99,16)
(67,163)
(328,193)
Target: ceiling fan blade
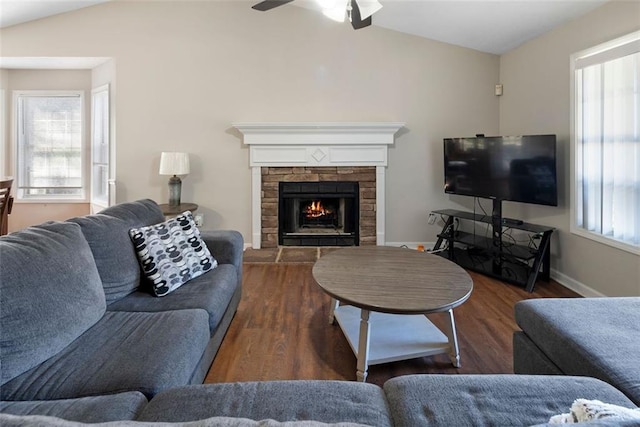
(265,5)
(368,7)
(356,18)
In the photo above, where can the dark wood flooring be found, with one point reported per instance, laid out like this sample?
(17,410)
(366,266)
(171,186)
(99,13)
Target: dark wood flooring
(281,331)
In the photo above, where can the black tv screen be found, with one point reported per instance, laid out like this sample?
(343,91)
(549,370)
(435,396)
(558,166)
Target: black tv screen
(514,168)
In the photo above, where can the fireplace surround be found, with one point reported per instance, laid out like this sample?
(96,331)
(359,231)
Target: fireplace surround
(309,149)
(272,178)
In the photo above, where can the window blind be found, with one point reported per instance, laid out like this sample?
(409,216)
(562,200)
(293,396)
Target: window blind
(49,145)
(608,143)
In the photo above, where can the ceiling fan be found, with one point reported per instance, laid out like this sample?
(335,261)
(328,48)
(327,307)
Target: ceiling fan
(357,11)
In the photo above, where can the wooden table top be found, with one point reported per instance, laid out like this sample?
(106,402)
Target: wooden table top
(392,280)
(167,209)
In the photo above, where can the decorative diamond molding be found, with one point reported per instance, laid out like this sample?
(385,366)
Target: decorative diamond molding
(317,145)
(319,155)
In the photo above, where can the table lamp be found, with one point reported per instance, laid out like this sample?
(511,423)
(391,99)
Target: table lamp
(174,164)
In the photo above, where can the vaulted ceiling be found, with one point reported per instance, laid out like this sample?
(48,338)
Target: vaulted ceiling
(488,26)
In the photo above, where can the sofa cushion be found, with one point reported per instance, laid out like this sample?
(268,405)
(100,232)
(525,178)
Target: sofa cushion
(43,421)
(147,352)
(212,292)
(323,401)
(489,400)
(108,237)
(605,347)
(50,293)
(171,253)
(93,409)
(227,246)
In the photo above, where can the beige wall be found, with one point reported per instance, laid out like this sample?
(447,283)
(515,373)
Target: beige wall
(187,70)
(4,121)
(537,100)
(25,214)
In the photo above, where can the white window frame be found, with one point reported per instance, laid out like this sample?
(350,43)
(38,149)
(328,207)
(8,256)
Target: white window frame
(594,55)
(19,197)
(103,90)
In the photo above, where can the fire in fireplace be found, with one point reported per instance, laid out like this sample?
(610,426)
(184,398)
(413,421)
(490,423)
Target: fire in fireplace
(318,214)
(321,213)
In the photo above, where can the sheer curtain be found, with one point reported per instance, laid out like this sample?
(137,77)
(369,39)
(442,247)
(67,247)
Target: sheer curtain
(608,147)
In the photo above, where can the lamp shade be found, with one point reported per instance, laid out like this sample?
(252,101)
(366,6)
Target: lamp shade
(174,163)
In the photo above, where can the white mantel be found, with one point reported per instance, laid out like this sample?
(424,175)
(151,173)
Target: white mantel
(315,145)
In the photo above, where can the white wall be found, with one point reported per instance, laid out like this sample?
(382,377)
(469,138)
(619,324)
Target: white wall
(537,100)
(187,70)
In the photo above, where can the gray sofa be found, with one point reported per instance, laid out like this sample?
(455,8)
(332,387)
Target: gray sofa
(83,341)
(414,400)
(78,321)
(595,337)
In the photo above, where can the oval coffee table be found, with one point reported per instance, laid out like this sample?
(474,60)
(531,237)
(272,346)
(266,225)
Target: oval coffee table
(386,293)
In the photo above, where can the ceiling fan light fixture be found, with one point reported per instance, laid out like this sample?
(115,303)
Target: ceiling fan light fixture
(335,10)
(368,7)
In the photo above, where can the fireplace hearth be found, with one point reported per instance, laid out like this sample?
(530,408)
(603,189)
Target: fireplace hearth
(318,214)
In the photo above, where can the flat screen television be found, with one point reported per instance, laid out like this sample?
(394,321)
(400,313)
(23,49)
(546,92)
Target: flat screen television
(513,168)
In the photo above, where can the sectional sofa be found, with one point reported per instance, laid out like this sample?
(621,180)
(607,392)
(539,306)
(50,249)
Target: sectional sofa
(414,400)
(78,320)
(595,337)
(84,341)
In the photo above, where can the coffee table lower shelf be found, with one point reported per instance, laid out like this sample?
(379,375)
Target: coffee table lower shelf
(392,337)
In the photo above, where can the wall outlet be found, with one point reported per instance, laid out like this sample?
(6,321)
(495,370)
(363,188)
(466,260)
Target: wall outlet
(432,219)
(199,219)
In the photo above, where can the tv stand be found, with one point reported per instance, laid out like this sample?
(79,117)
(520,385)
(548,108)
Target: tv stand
(511,221)
(494,256)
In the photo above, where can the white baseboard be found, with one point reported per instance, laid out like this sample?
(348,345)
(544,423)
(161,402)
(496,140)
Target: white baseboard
(574,285)
(411,245)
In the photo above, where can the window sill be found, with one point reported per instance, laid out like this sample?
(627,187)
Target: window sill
(605,240)
(50,201)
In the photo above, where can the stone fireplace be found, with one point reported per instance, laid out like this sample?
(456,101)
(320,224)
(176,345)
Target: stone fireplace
(343,163)
(323,206)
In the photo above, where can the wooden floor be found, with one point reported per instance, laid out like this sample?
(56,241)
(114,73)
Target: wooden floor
(281,331)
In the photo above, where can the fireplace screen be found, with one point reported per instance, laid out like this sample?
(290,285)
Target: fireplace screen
(318,214)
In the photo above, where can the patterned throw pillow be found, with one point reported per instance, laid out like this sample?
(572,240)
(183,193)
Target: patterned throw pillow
(172,253)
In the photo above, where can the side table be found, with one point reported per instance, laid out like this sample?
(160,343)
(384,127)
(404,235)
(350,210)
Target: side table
(171,211)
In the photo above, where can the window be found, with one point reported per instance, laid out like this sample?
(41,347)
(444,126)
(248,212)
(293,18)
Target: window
(100,146)
(606,143)
(49,145)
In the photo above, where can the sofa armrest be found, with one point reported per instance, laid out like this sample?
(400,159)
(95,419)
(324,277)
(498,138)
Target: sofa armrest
(226,246)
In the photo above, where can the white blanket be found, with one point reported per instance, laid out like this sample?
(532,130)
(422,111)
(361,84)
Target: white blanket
(583,410)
